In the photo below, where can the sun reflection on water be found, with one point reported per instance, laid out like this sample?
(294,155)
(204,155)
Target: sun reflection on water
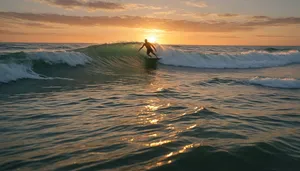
(159,143)
(154,121)
(167,158)
(191,127)
(187,147)
(169,155)
(152,107)
(153,135)
(198,109)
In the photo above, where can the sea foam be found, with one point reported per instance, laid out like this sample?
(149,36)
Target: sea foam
(250,59)
(15,67)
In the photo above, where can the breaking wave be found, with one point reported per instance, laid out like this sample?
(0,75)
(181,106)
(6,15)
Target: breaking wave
(12,72)
(249,59)
(14,66)
(124,56)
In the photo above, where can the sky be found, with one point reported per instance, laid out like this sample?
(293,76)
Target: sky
(193,22)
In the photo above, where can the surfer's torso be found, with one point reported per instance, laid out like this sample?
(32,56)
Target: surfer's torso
(148,46)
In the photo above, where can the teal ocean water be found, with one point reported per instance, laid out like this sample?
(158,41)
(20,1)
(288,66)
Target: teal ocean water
(107,107)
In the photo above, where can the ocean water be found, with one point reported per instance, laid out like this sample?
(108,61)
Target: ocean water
(107,107)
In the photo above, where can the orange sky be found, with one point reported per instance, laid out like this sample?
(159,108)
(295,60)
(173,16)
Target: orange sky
(190,22)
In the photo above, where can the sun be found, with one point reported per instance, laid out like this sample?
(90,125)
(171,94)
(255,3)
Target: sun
(152,39)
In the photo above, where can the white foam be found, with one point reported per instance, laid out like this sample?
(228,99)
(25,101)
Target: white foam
(70,58)
(12,72)
(15,71)
(276,82)
(288,52)
(254,59)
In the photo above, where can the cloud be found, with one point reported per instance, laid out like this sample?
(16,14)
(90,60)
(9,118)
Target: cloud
(228,15)
(225,37)
(274,22)
(149,23)
(127,21)
(199,4)
(260,17)
(19,24)
(276,36)
(95,5)
(39,25)
(195,15)
(214,16)
(165,12)
(8,32)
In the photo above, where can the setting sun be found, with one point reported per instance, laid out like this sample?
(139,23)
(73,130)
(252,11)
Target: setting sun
(152,39)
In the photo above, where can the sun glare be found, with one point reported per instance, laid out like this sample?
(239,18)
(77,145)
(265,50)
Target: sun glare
(152,39)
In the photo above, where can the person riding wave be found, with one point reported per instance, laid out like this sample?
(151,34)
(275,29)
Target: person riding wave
(149,46)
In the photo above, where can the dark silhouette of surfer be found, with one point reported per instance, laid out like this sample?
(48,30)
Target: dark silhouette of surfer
(149,48)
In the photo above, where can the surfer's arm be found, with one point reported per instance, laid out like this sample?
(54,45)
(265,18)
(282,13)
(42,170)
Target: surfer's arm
(142,47)
(153,47)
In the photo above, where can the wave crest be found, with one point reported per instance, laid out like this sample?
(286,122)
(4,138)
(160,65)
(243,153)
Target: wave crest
(14,66)
(288,83)
(250,59)
(61,57)
(70,58)
(123,58)
(12,72)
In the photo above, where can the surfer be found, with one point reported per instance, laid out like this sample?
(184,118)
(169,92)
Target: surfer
(149,48)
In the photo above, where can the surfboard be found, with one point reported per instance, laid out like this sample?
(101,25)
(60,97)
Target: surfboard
(153,58)
(151,63)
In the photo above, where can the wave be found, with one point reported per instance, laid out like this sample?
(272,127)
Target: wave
(288,83)
(69,58)
(271,49)
(123,58)
(116,57)
(249,59)
(285,83)
(274,52)
(14,66)
(13,72)
(237,157)
(175,57)
(105,58)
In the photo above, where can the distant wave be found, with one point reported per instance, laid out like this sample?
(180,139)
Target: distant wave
(285,83)
(288,83)
(249,59)
(272,52)
(272,49)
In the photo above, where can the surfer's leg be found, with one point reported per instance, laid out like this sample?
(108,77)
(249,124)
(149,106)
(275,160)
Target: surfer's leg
(148,53)
(154,54)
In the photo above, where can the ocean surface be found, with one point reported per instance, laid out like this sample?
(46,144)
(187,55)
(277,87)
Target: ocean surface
(108,107)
